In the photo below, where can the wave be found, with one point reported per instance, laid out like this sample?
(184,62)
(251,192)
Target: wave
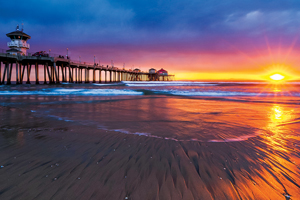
(166,83)
(207,93)
(109,84)
(238,139)
(79,92)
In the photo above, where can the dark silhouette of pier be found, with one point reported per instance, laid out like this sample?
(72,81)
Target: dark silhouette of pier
(57,69)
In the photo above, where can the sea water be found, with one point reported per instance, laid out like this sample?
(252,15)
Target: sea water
(177,110)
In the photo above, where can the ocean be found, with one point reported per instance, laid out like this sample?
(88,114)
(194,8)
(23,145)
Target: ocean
(150,140)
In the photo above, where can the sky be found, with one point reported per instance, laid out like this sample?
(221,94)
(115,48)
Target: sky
(193,39)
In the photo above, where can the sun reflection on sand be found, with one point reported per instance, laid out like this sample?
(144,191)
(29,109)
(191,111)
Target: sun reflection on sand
(277,116)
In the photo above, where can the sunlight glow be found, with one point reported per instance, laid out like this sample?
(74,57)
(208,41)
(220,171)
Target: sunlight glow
(277,77)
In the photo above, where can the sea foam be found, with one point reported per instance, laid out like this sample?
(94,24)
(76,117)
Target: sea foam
(165,83)
(78,92)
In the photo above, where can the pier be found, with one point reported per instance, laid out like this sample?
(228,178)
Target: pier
(57,69)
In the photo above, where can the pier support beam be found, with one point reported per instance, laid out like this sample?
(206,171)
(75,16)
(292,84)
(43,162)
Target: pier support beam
(52,74)
(22,75)
(45,76)
(94,75)
(86,72)
(110,76)
(20,72)
(17,73)
(28,73)
(58,77)
(72,78)
(4,72)
(76,74)
(62,73)
(105,77)
(49,75)
(99,75)
(8,74)
(66,74)
(37,81)
(70,73)
(56,72)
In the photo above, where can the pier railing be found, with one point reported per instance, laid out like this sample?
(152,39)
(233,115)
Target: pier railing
(18,44)
(77,62)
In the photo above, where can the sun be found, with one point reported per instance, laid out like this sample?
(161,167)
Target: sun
(277,77)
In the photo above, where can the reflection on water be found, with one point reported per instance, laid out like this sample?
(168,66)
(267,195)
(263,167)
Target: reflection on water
(279,115)
(278,133)
(276,90)
(177,118)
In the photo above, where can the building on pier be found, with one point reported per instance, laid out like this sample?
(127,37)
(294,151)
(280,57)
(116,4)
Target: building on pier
(137,70)
(18,43)
(162,72)
(152,71)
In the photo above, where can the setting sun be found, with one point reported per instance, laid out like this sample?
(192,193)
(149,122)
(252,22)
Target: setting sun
(277,77)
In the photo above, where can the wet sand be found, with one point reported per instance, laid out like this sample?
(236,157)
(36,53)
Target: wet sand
(46,158)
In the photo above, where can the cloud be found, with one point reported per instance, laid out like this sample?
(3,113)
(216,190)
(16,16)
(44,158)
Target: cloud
(285,21)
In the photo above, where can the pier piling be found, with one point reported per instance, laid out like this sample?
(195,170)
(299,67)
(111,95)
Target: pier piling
(99,75)
(17,73)
(28,73)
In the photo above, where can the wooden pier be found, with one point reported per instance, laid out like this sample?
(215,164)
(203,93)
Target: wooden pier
(57,69)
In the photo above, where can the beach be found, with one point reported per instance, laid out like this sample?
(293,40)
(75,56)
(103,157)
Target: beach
(173,140)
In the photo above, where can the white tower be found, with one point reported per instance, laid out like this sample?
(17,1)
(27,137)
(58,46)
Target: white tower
(18,43)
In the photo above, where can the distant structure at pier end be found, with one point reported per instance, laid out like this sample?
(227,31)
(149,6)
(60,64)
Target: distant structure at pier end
(57,68)
(18,43)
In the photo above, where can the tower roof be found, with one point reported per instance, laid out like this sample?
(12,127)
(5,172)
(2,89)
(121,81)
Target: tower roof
(13,50)
(162,71)
(18,33)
